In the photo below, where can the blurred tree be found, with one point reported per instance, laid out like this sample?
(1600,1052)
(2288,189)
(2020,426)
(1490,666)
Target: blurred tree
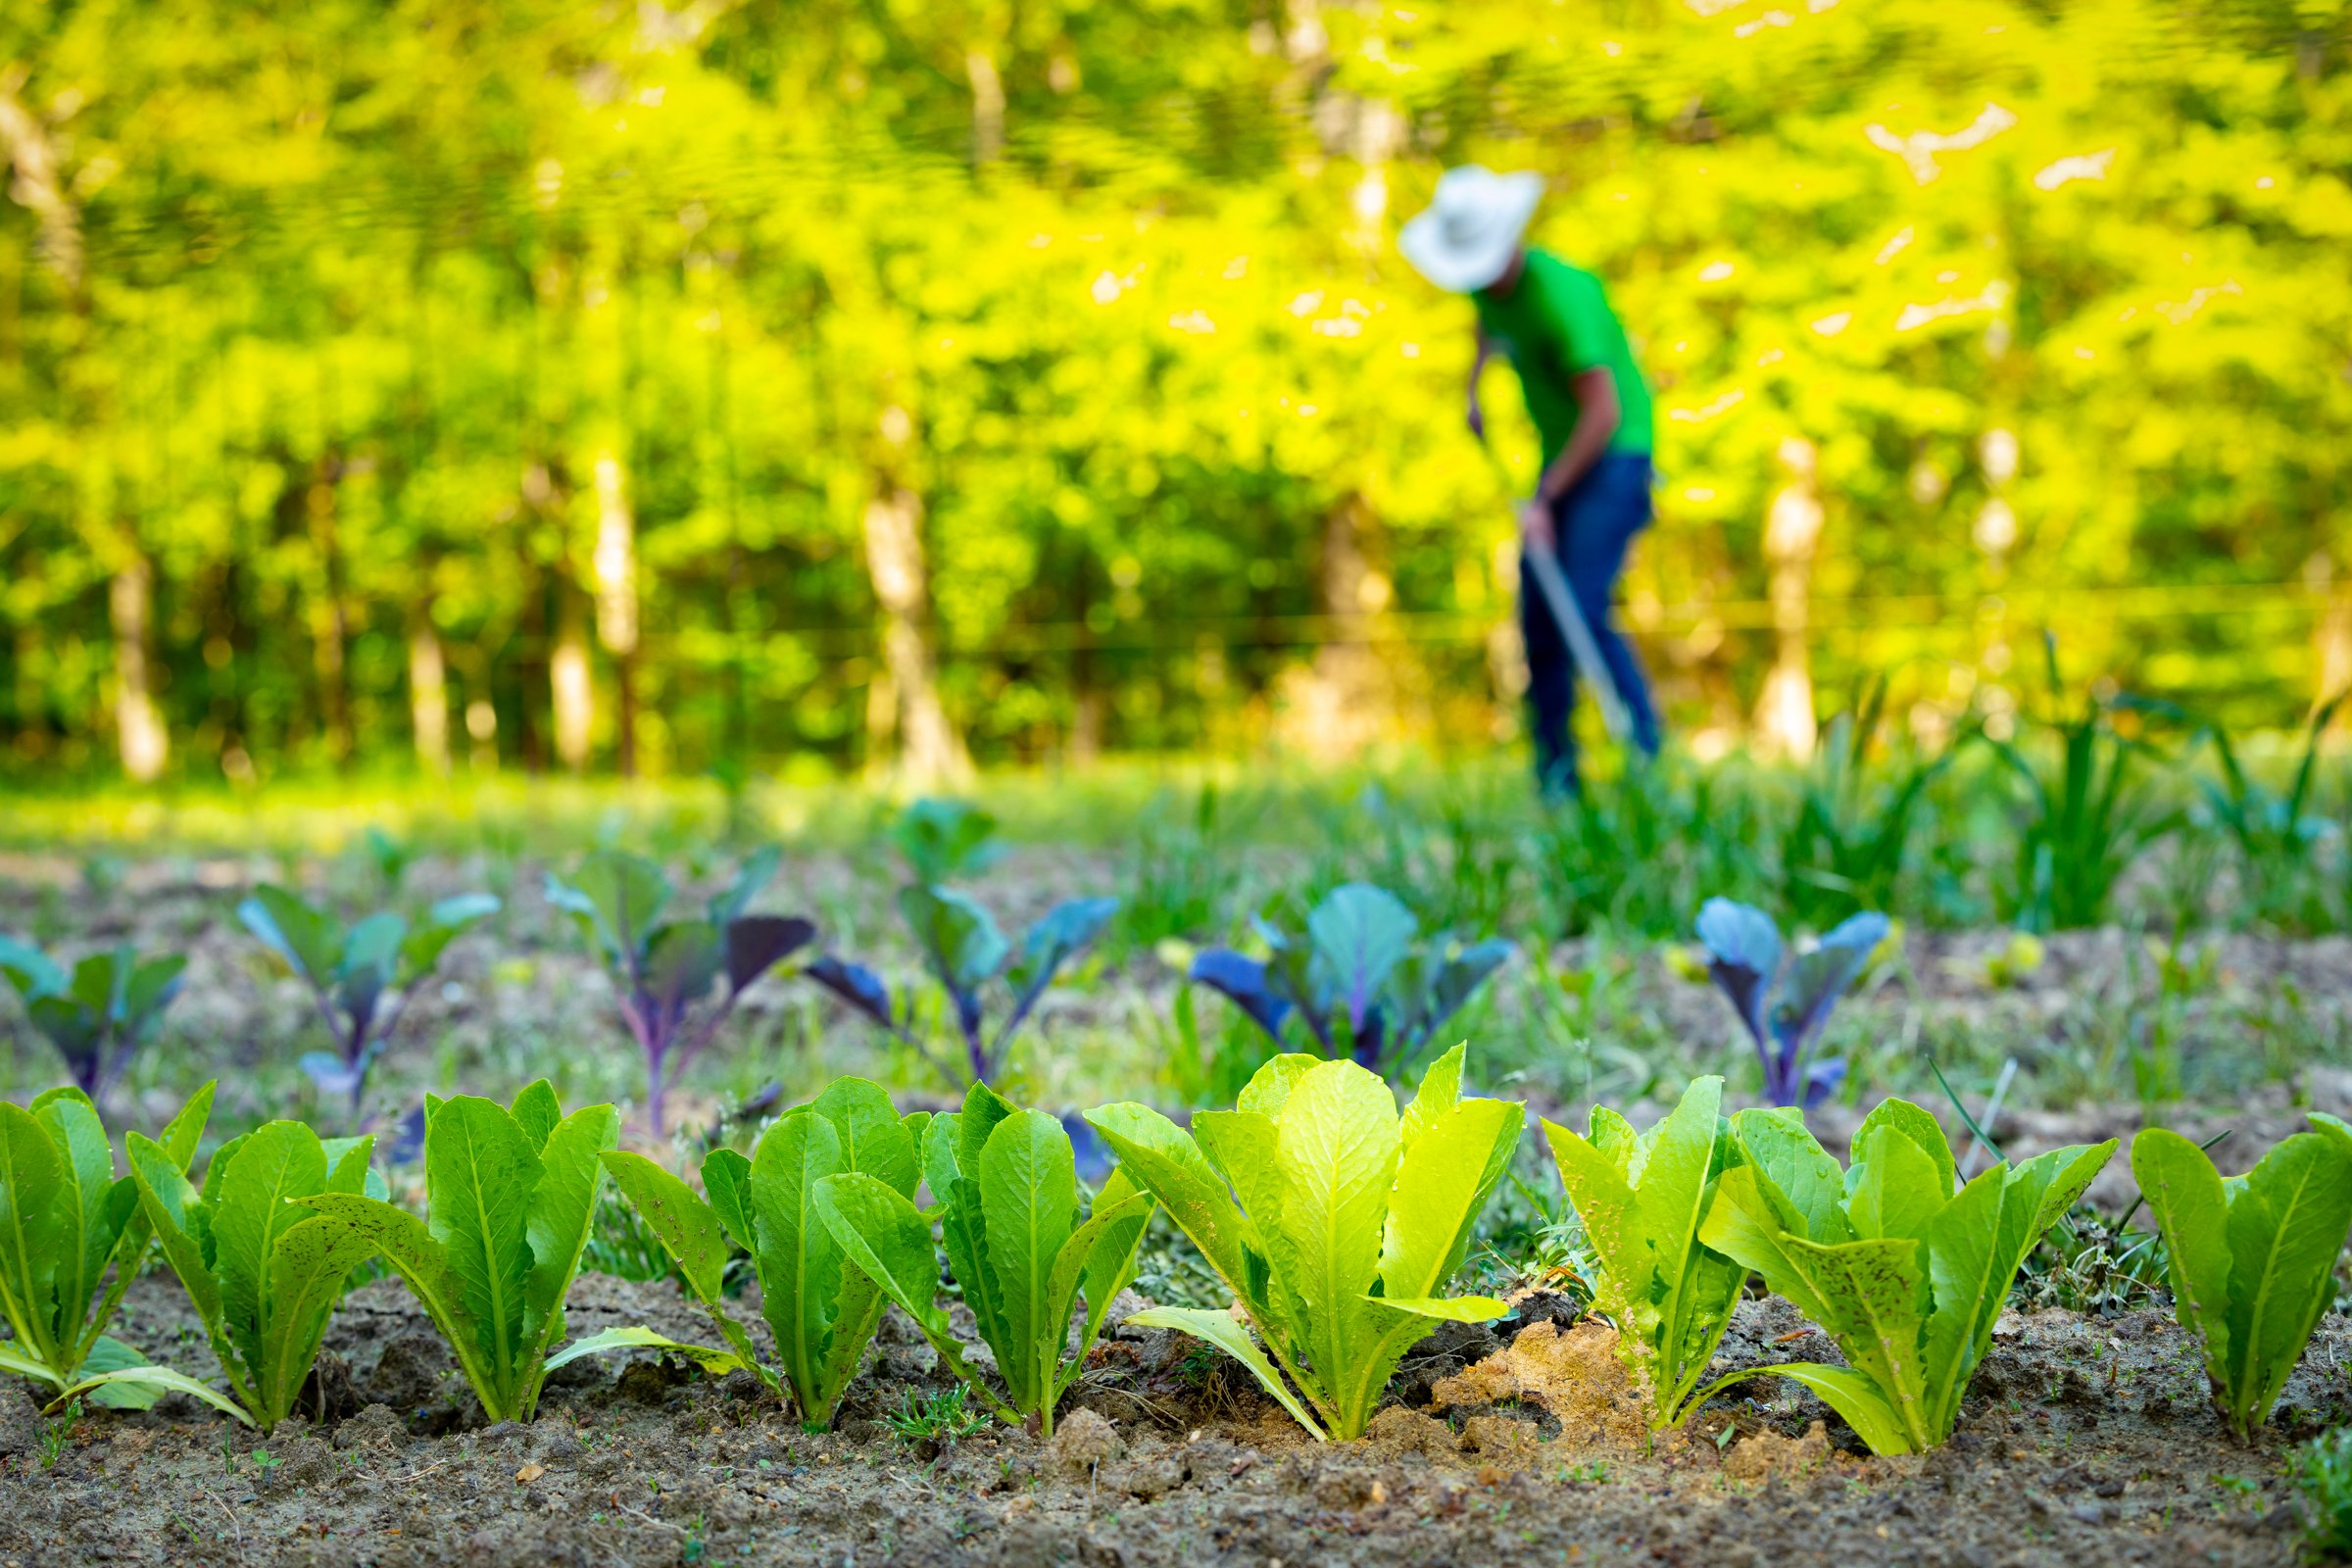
(894,383)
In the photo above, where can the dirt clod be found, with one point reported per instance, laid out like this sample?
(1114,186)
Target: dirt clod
(1503,1442)
(1769,1456)
(1574,1376)
(1083,1441)
(377,1426)
(1395,1432)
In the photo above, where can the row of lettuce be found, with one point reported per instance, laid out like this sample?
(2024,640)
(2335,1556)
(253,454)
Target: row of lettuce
(1336,1222)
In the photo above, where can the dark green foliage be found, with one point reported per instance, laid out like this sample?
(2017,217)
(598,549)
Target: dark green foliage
(1846,848)
(2323,1473)
(821,1308)
(2088,816)
(70,1223)
(1019,1244)
(2276,834)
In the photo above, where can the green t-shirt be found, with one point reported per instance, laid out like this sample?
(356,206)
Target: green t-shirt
(1555,324)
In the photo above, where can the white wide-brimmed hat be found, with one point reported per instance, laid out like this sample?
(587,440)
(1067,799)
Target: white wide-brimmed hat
(1466,238)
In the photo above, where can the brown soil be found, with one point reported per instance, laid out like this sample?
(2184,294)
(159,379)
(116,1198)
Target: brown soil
(2087,1442)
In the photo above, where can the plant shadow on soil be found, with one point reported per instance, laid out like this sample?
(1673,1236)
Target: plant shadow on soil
(2085,1441)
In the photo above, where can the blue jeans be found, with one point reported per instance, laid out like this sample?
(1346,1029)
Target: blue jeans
(1594,522)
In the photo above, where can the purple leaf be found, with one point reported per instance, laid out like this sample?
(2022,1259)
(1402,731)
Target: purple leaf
(681,961)
(1243,982)
(1817,979)
(756,943)
(857,985)
(331,1073)
(1093,1157)
(1821,1079)
(1743,952)
(1461,976)
(408,1140)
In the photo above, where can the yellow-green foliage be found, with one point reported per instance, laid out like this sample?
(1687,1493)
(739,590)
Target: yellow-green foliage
(334,327)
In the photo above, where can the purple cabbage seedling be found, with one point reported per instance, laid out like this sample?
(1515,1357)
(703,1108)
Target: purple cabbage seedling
(965,952)
(663,970)
(1359,979)
(100,1013)
(361,976)
(945,839)
(1784,1004)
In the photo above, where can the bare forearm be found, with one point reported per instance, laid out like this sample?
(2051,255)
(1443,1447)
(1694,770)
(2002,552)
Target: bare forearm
(1478,367)
(1583,449)
(1598,420)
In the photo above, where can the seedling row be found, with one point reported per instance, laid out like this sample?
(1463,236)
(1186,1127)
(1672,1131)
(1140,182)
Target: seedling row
(1336,1223)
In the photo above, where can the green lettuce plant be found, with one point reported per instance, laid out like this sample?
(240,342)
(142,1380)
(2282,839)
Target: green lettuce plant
(820,1307)
(511,1195)
(1017,1240)
(65,1218)
(2252,1257)
(1901,1264)
(1349,1220)
(1640,1196)
(262,1273)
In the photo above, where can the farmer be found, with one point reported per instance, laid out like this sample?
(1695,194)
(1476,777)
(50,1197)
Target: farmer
(1592,409)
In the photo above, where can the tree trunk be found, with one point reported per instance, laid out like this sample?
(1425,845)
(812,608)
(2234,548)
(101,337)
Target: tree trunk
(39,186)
(930,752)
(1346,700)
(32,705)
(1378,132)
(616,598)
(428,695)
(1785,718)
(988,105)
(1995,534)
(544,494)
(139,723)
(1086,686)
(329,627)
(2330,634)
(569,683)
